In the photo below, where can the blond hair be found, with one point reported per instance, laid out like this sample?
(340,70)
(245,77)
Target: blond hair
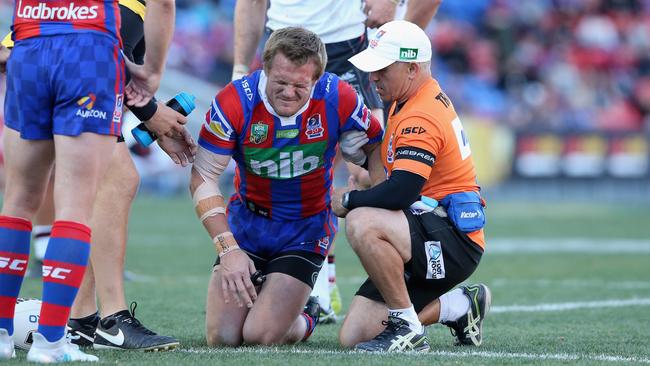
(297,44)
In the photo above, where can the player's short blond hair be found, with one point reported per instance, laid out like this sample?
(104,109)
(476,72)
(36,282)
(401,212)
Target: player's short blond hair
(297,44)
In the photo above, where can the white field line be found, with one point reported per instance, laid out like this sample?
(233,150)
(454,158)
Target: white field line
(564,306)
(566,245)
(493,246)
(461,354)
(571,283)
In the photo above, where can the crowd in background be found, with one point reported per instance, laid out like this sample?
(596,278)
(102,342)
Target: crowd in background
(568,65)
(560,65)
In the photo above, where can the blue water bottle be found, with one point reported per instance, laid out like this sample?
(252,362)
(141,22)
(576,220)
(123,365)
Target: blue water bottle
(182,103)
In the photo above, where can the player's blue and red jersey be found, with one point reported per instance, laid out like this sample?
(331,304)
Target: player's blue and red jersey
(284,164)
(33,18)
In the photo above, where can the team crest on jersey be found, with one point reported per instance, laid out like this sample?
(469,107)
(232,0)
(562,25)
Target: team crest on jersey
(314,128)
(390,155)
(259,132)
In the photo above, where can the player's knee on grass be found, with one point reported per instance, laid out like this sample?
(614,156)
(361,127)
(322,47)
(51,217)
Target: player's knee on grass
(222,339)
(348,336)
(259,335)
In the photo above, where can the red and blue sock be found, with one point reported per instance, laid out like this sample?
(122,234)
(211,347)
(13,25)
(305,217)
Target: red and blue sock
(64,266)
(14,256)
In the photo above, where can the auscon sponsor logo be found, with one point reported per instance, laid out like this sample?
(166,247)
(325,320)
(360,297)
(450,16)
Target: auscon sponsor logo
(91,113)
(44,12)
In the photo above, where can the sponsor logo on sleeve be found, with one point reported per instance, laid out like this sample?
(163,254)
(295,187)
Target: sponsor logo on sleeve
(415,153)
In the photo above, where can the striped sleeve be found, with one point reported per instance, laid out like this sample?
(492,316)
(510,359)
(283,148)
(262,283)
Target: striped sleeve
(222,122)
(354,115)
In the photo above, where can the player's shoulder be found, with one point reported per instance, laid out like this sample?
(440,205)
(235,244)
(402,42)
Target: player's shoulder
(326,86)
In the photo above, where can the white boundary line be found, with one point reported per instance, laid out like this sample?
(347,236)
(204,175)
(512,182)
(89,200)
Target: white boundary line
(564,306)
(482,354)
(566,245)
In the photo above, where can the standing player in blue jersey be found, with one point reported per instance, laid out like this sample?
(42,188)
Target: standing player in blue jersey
(282,126)
(64,106)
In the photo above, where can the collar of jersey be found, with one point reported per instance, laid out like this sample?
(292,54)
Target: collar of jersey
(284,121)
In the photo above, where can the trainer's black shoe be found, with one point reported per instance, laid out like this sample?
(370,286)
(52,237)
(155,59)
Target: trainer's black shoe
(123,331)
(468,329)
(82,330)
(397,337)
(311,313)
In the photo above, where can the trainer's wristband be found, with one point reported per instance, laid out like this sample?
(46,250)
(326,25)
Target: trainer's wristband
(145,112)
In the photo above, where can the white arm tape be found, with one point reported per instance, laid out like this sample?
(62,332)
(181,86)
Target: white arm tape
(207,197)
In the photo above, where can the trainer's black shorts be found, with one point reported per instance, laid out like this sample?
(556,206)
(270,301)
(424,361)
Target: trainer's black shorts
(441,257)
(337,63)
(299,264)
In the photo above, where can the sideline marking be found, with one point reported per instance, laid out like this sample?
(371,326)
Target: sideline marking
(488,354)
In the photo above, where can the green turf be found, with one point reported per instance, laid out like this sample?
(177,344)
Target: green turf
(172,256)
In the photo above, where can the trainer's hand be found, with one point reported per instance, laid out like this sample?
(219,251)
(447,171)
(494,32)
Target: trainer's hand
(181,149)
(142,86)
(236,271)
(4,56)
(379,12)
(351,143)
(166,122)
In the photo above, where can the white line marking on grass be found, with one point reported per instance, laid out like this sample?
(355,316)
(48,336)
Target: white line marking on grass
(569,306)
(571,283)
(482,354)
(566,245)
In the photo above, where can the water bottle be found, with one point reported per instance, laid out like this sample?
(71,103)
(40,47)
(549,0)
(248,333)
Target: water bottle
(182,103)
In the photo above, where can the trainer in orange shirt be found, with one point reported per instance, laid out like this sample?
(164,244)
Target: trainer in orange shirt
(419,233)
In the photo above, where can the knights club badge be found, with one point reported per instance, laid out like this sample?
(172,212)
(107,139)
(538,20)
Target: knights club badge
(259,132)
(314,127)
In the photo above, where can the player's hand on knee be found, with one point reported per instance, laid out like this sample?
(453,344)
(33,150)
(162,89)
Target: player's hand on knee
(236,270)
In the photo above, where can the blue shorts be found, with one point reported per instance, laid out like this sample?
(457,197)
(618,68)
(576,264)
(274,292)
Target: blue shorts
(65,85)
(266,238)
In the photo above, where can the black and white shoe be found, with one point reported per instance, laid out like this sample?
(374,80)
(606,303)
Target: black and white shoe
(397,337)
(82,330)
(468,329)
(123,331)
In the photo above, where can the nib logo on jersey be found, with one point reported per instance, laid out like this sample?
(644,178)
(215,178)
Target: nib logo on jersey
(43,11)
(86,110)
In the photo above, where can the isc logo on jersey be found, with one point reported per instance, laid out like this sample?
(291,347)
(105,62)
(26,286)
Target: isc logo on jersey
(44,12)
(291,165)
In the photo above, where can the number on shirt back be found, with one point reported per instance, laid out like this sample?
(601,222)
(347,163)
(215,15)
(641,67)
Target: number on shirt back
(461,138)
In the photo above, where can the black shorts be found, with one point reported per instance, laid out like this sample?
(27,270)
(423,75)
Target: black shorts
(337,63)
(299,264)
(441,258)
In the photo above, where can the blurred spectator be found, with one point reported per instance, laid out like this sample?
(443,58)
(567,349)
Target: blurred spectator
(561,65)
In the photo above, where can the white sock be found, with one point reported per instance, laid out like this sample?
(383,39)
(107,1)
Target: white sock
(410,316)
(41,236)
(322,288)
(453,305)
(331,271)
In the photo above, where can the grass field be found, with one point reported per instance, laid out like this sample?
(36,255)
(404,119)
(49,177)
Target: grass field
(570,284)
